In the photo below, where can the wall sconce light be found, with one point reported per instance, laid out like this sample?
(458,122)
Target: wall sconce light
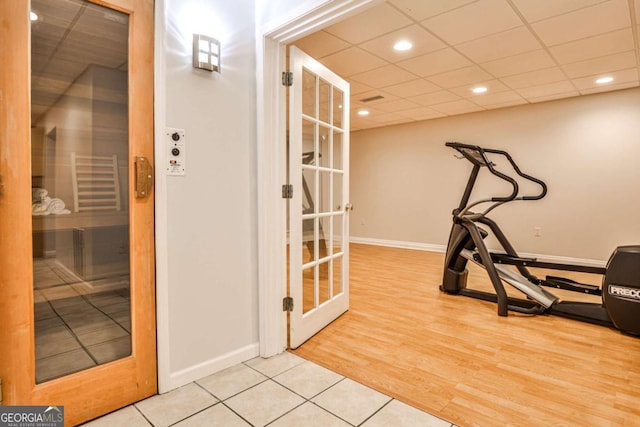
(206,53)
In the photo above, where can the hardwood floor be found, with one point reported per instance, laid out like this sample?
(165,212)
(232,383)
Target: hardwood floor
(457,359)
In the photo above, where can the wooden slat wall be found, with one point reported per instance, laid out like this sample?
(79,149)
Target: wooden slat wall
(455,358)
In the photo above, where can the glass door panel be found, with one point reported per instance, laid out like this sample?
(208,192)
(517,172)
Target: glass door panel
(79,186)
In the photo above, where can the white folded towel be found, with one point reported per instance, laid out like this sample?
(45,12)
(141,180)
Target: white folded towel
(49,206)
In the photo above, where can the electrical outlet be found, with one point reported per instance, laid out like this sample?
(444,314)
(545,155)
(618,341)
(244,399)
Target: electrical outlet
(537,231)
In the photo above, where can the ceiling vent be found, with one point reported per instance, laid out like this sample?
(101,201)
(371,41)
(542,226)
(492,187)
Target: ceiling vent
(373,98)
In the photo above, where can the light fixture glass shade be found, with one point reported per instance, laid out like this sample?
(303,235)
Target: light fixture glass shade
(206,53)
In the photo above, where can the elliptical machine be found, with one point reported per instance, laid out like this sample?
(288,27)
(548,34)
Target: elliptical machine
(620,289)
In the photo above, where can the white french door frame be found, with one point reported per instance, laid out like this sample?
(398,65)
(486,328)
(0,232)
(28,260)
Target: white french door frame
(271,44)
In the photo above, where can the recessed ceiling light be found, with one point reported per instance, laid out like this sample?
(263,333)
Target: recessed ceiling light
(403,45)
(363,113)
(604,80)
(479,89)
(33,16)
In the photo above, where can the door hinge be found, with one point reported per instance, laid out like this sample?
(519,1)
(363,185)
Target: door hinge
(0,391)
(287,78)
(287,191)
(287,304)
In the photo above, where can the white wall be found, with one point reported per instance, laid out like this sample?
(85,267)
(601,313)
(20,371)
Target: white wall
(206,220)
(405,182)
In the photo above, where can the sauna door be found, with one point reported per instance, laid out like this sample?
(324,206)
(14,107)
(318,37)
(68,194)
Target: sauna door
(77,304)
(319,208)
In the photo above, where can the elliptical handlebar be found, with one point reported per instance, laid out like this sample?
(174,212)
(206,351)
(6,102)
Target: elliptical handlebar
(476,155)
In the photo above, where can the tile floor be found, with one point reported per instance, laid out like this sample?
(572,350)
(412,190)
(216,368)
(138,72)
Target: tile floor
(78,325)
(282,391)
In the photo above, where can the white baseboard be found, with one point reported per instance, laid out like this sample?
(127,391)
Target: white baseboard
(442,248)
(211,366)
(399,244)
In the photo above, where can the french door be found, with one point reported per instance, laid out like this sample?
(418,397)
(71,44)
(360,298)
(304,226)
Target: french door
(77,291)
(319,208)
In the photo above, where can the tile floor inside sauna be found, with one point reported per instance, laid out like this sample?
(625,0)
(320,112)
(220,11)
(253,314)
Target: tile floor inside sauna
(282,391)
(78,325)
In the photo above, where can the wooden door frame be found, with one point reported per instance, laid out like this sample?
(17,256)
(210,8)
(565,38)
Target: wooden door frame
(271,41)
(17,342)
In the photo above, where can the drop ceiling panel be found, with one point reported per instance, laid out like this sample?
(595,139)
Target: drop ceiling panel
(593,47)
(518,64)
(473,21)
(461,106)
(369,24)
(463,76)
(537,10)
(435,63)
(621,77)
(508,97)
(396,105)
(412,88)
(352,61)
(493,86)
(391,118)
(421,113)
(605,64)
(501,45)
(434,98)
(609,88)
(321,44)
(535,78)
(423,42)
(547,90)
(524,51)
(583,23)
(384,76)
(553,97)
(357,88)
(421,9)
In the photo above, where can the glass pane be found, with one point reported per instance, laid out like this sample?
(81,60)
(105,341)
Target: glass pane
(325,101)
(308,93)
(323,283)
(337,150)
(338,99)
(324,141)
(308,290)
(337,276)
(309,205)
(324,195)
(80,186)
(337,233)
(323,236)
(308,142)
(337,191)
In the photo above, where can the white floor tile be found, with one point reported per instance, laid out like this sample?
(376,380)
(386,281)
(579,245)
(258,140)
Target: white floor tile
(351,401)
(169,408)
(308,379)
(125,417)
(399,414)
(309,415)
(231,381)
(275,365)
(216,416)
(264,403)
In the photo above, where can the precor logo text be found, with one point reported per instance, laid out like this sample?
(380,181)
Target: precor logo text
(624,292)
